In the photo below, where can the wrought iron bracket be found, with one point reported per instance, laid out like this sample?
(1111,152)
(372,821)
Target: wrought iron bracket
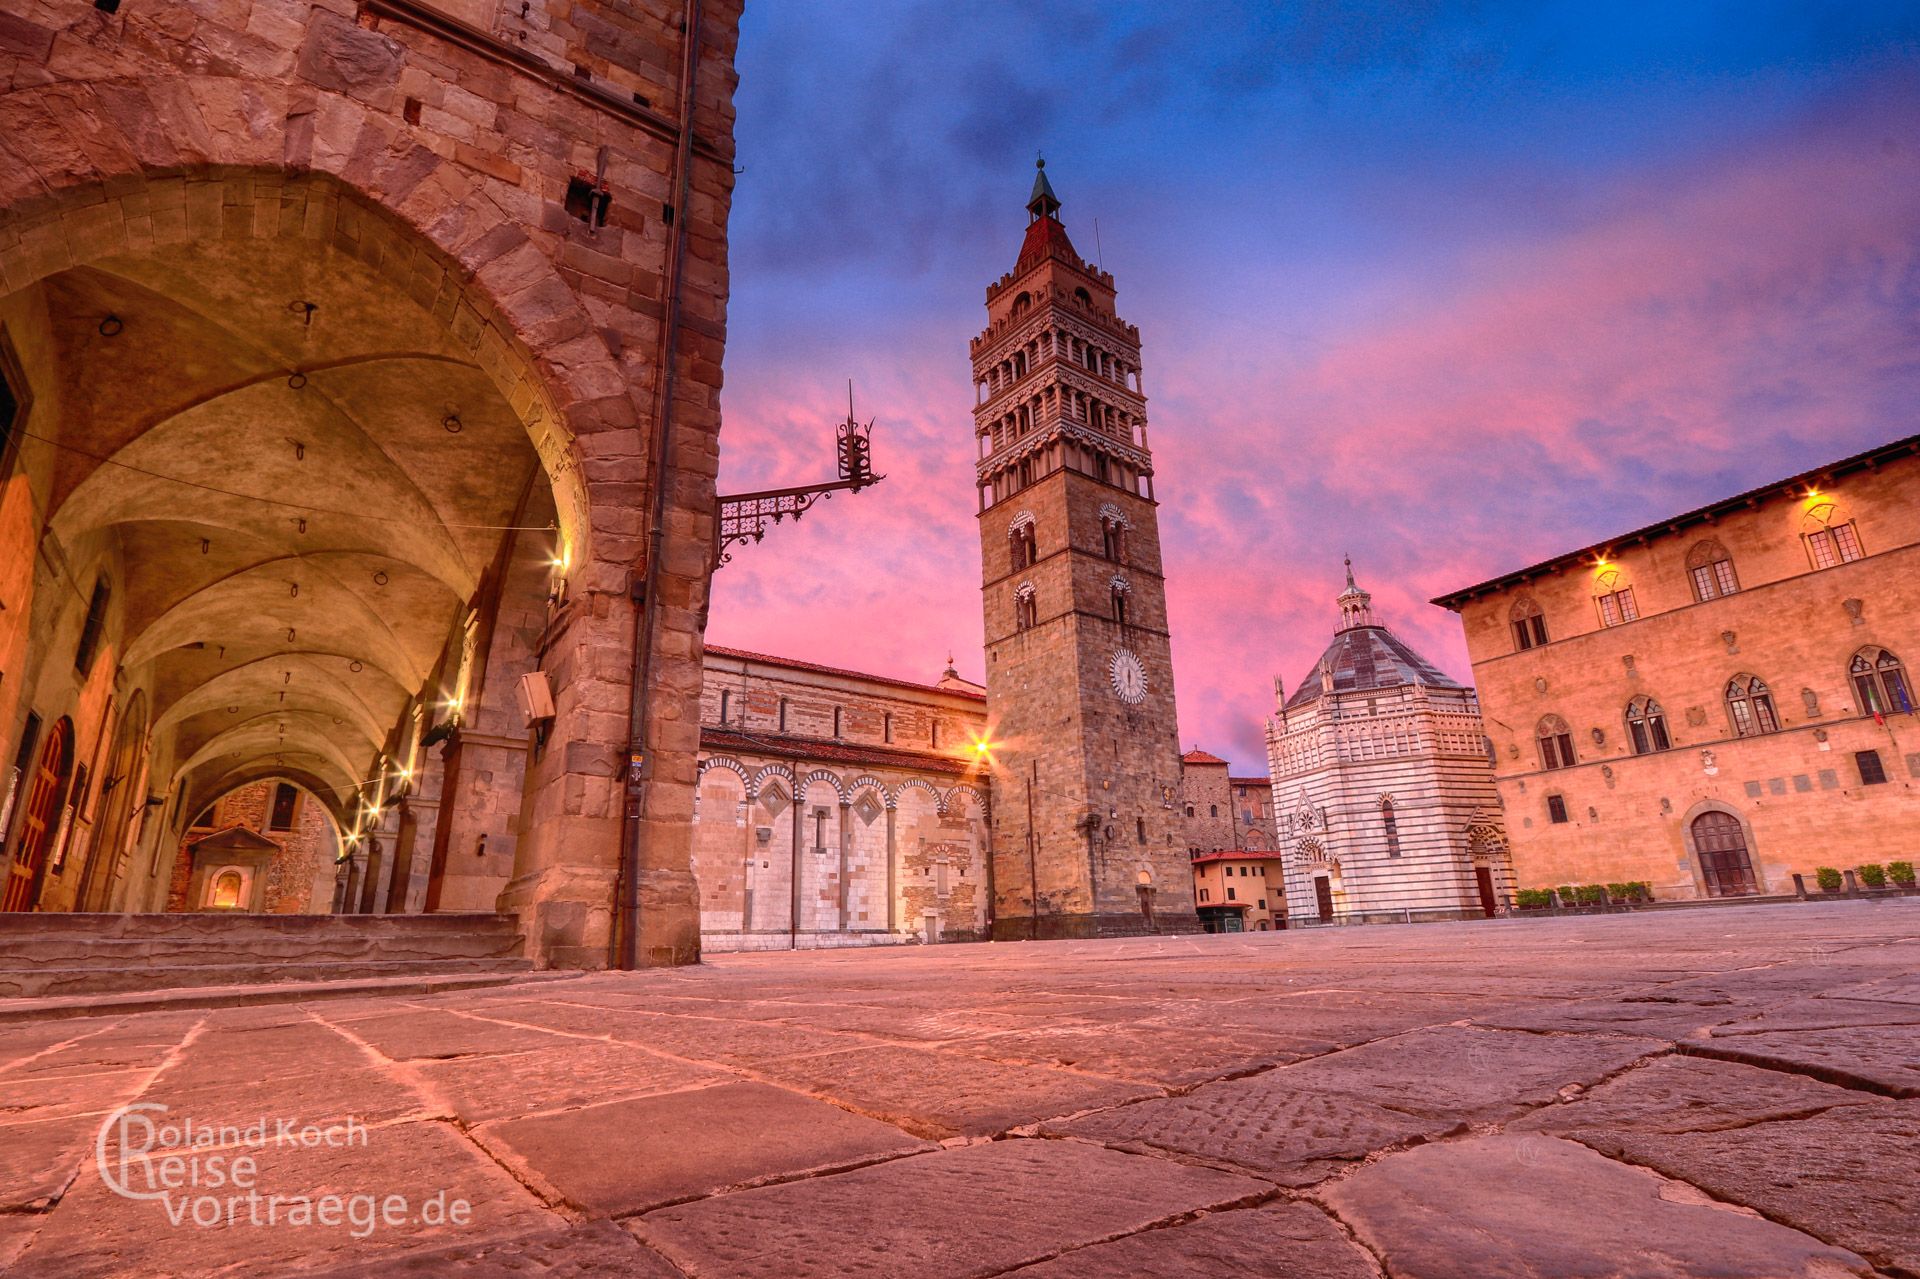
(744,517)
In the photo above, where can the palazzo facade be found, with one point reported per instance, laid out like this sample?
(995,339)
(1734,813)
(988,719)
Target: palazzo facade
(1719,701)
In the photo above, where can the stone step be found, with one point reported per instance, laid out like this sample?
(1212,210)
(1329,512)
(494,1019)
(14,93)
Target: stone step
(49,924)
(214,948)
(45,982)
(52,1008)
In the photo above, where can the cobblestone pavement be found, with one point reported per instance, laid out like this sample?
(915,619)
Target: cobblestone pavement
(1707,1093)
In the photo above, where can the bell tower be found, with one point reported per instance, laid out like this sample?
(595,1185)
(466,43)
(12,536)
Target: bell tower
(1085,746)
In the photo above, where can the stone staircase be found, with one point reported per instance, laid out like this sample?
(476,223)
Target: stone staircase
(66,957)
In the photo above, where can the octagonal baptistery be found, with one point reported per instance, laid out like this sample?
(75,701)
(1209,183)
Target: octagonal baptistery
(359,375)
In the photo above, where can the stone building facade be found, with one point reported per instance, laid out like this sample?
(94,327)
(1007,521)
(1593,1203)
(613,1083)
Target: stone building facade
(1719,701)
(1083,732)
(267,848)
(838,808)
(1382,785)
(1240,891)
(1228,823)
(359,357)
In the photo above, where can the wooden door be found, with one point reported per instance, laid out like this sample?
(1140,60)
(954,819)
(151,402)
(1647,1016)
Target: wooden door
(1488,902)
(1323,895)
(40,818)
(1724,861)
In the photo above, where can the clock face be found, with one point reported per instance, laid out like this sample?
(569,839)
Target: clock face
(1129,677)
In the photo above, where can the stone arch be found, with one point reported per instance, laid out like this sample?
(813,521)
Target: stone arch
(921,783)
(963,791)
(832,779)
(1690,837)
(867,781)
(768,773)
(1114,515)
(727,762)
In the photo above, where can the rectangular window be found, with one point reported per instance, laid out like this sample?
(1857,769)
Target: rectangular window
(14,402)
(886,726)
(1557,809)
(1837,545)
(1723,577)
(836,721)
(1872,771)
(1140,828)
(1230,896)
(783,714)
(726,697)
(286,800)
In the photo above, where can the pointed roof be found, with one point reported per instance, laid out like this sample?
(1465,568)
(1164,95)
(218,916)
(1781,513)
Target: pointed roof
(236,838)
(1365,655)
(1198,756)
(1046,237)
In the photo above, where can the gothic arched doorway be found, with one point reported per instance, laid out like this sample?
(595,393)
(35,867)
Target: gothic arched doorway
(40,820)
(1721,843)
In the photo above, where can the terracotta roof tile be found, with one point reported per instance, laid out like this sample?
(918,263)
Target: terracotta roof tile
(785,746)
(741,654)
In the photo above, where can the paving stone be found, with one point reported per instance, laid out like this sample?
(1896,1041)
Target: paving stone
(425,1032)
(39,1158)
(974,1210)
(1156,1055)
(96,1232)
(1822,1012)
(1846,1175)
(1884,1059)
(1685,1094)
(700,1039)
(366,1094)
(238,1056)
(1282,1240)
(1662,1020)
(17,1233)
(596,1250)
(1466,1073)
(628,1156)
(580,1072)
(1536,1207)
(1293,1136)
(946,1094)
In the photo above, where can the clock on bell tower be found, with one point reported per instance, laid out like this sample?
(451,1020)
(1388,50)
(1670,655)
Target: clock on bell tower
(1086,755)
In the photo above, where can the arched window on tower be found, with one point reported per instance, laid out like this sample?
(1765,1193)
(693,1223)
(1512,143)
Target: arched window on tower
(1614,596)
(1113,537)
(1390,823)
(1026,609)
(1750,706)
(1556,743)
(1881,683)
(1647,726)
(1831,536)
(1022,548)
(1119,588)
(1711,570)
(1528,623)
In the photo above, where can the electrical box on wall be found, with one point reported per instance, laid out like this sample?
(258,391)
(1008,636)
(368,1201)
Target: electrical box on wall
(536,696)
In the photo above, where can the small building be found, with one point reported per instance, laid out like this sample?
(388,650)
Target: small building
(1239,891)
(1718,701)
(1382,785)
(268,848)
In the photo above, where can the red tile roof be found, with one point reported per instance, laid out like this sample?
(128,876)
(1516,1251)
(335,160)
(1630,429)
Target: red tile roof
(741,654)
(1251,781)
(1237,854)
(785,746)
(1198,756)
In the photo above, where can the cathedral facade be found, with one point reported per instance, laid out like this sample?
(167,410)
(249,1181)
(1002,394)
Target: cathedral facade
(1382,786)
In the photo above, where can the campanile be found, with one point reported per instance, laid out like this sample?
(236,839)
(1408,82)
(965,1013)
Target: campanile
(1086,754)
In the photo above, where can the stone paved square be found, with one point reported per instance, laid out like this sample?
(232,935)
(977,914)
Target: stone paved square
(1676,1093)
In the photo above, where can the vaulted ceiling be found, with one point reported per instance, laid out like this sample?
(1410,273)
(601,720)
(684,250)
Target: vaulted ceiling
(305,477)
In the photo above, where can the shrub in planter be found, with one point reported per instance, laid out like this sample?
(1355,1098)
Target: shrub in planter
(1592,894)
(1829,879)
(1901,873)
(1622,893)
(1644,890)
(1569,895)
(1872,876)
(1533,898)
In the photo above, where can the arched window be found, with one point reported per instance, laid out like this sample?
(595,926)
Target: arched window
(1711,569)
(1113,535)
(1390,823)
(1026,611)
(93,627)
(1022,547)
(1083,297)
(1614,596)
(1120,589)
(1556,743)
(1647,726)
(1831,537)
(226,890)
(1529,625)
(1750,706)
(1880,683)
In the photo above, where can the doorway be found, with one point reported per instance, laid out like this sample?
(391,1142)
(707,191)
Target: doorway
(40,825)
(1323,897)
(1724,859)
(1490,904)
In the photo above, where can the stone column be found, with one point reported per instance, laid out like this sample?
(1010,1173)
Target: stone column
(846,834)
(799,854)
(893,871)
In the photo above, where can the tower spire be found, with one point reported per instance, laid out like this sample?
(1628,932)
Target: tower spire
(1043,203)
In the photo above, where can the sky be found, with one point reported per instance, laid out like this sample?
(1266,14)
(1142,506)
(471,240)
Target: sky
(1450,289)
